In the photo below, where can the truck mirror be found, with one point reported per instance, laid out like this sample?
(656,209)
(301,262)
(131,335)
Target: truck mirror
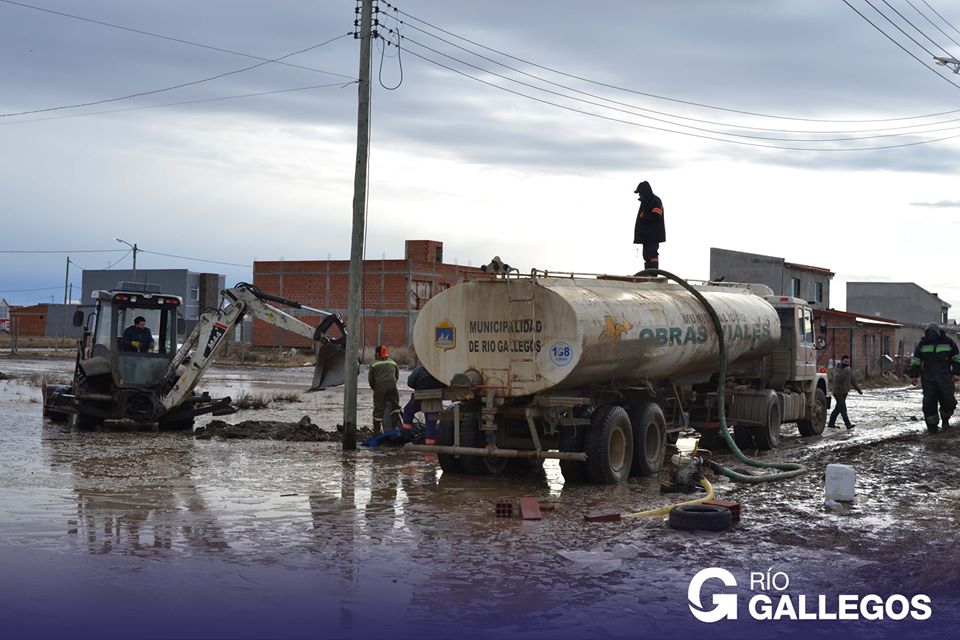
(78,318)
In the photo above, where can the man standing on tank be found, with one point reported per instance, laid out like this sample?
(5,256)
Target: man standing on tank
(936,361)
(649,229)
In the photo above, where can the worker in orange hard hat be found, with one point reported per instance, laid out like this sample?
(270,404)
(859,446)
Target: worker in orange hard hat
(649,229)
(383,376)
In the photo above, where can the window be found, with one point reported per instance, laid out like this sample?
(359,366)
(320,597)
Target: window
(194,293)
(795,287)
(818,292)
(423,291)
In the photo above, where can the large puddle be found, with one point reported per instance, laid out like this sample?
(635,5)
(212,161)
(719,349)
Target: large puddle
(164,535)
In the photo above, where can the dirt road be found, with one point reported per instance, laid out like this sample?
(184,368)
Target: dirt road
(159,535)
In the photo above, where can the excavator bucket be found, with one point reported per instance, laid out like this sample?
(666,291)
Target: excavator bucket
(329,371)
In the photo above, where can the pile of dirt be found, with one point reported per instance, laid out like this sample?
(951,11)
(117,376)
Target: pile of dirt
(302,431)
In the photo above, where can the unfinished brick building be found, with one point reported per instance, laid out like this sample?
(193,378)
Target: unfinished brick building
(393,291)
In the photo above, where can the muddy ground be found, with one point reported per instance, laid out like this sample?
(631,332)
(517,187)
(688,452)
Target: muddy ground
(136,533)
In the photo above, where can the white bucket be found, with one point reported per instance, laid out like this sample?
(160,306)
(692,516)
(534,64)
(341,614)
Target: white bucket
(840,483)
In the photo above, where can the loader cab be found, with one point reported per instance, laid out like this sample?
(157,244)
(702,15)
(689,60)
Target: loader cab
(115,311)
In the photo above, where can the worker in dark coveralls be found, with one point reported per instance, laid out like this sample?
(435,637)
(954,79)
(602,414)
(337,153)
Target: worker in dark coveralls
(843,381)
(137,337)
(649,229)
(383,376)
(420,379)
(936,361)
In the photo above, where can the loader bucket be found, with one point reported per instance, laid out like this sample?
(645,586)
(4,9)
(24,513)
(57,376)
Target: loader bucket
(329,371)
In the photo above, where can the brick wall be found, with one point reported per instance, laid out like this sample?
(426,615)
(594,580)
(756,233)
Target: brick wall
(866,344)
(32,320)
(392,292)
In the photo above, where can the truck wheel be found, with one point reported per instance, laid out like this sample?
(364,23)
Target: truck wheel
(472,436)
(767,436)
(706,517)
(572,440)
(649,439)
(818,420)
(448,463)
(609,446)
(743,437)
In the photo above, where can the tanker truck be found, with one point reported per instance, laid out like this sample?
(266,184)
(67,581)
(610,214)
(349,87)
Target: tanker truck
(602,372)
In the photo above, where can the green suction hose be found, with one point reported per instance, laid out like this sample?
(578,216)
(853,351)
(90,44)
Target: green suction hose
(788,469)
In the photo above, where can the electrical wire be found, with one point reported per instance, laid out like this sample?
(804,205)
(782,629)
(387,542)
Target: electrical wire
(899,28)
(181,103)
(170,255)
(663,113)
(171,88)
(57,288)
(934,24)
(941,17)
(111,265)
(170,38)
(676,124)
(656,96)
(399,57)
(684,133)
(907,51)
(47,251)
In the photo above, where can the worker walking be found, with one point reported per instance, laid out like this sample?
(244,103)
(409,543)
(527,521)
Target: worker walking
(936,361)
(649,229)
(383,376)
(843,381)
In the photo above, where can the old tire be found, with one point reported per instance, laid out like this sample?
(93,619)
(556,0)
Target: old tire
(815,425)
(571,439)
(767,436)
(448,463)
(649,439)
(472,436)
(609,446)
(703,517)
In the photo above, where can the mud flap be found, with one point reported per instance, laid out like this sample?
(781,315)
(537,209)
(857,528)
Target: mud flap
(329,372)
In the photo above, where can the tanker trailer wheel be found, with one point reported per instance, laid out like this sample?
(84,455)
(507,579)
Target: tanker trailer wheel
(571,439)
(818,420)
(767,436)
(448,463)
(609,446)
(649,439)
(743,437)
(472,436)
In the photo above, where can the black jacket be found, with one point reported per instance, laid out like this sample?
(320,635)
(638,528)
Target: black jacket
(420,378)
(935,356)
(649,225)
(132,334)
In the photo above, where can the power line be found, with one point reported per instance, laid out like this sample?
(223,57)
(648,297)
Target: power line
(656,96)
(111,265)
(934,24)
(45,251)
(683,133)
(181,103)
(170,38)
(170,255)
(900,29)
(687,126)
(941,17)
(178,86)
(59,288)
(631,106)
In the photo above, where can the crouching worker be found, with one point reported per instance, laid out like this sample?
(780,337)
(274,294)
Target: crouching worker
(383,376)
(418,380)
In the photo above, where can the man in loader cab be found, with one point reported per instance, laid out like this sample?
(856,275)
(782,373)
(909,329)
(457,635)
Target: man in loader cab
(383,376)
(649,229)
(137,337)
(936,361)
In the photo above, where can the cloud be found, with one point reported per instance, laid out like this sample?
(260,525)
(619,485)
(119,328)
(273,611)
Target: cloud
(942,204)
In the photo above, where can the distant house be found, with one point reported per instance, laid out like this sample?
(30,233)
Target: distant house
(4,315)
(785,278)
(871,342)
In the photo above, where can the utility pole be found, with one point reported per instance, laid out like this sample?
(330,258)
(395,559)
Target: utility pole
(356,242)
(66,283)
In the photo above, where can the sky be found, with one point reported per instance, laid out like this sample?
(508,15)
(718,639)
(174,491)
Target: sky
(517,129)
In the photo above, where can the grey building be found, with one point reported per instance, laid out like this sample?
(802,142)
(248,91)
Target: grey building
(4,315)
(906,302)
(785,278)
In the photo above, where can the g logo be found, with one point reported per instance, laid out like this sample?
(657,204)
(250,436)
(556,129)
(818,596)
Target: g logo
(725,604)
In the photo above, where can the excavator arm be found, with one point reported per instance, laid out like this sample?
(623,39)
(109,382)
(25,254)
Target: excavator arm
(205,341)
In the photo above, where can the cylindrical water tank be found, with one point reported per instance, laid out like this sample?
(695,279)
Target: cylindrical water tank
(528,335)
